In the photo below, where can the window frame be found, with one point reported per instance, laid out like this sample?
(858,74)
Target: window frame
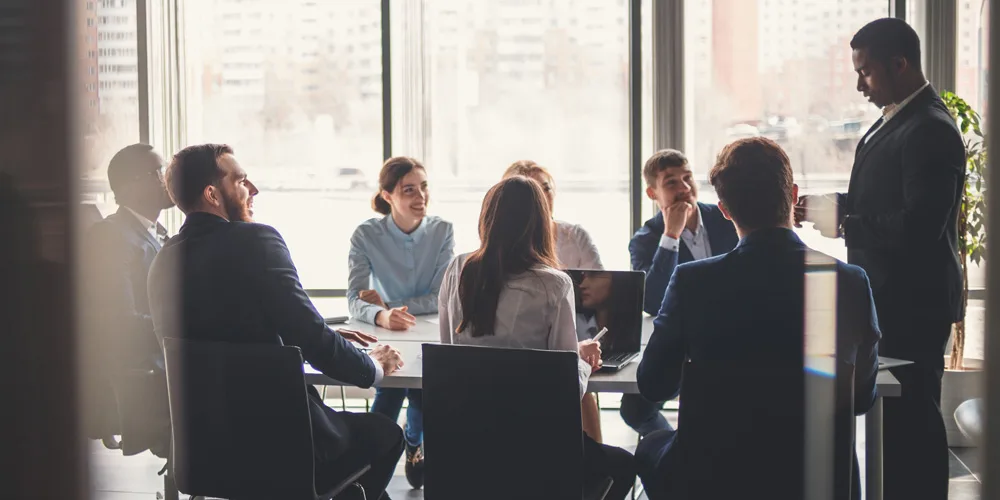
(162,117)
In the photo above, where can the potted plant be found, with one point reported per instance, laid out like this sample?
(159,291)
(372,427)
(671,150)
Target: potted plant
(963,377)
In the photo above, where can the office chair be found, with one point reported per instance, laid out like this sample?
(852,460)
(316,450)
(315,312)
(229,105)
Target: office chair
(746,435)
(503,423)
(241,424)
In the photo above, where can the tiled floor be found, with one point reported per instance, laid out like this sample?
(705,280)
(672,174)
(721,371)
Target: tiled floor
(134,478)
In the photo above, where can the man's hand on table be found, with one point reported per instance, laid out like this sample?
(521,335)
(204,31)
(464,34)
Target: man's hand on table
(364,339)
(387,357)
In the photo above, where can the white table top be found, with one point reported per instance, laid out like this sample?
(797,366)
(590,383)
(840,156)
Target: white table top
(427,328)
(622,381)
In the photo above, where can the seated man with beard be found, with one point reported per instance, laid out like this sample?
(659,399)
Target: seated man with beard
(224,278)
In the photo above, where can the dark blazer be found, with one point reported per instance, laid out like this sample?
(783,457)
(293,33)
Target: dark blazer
(118,252)
(901,214)
(742,314)
(235,282)
(659,264)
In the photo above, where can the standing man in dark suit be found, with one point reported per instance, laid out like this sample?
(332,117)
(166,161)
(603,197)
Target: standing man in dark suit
(118,253)
(899,220)
(683,230)
(224,278)
(729,319)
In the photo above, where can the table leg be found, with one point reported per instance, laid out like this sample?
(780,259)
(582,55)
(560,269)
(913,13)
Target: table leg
(873,452)
(170,488)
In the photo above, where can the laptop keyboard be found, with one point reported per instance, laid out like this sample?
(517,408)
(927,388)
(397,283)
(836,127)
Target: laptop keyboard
(618,358)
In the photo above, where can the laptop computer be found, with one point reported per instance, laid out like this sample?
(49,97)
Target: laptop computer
(612,300)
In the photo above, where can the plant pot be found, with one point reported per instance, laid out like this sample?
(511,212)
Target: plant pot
(957,387)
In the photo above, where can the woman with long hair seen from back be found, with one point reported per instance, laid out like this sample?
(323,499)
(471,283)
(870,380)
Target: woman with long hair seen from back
(575,249)
(510,293)
(396,263)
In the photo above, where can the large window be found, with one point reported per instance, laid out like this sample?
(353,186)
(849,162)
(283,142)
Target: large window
(295,88)
(106,86)
(478,85)
(780,69)
(972,63)
(972,73)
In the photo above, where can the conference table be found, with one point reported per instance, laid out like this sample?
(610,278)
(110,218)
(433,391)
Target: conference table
(427,330)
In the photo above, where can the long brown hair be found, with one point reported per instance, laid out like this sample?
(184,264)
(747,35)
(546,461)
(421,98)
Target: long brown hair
(393,170)
(516,235)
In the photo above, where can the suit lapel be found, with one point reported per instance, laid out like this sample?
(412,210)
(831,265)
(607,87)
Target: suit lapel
(920,101)
(864,139)
(684,253)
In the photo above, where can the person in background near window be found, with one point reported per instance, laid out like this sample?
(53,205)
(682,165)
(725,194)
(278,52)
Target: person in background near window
(683,230)
(576,250)
(395,264)
(224,278)
(118,253)
(510,294)
(738,320)
(899,221)
(574,247)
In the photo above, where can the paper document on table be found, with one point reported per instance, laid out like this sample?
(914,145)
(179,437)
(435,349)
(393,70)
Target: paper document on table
(434,320)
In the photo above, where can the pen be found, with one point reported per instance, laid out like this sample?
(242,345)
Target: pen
(600,334)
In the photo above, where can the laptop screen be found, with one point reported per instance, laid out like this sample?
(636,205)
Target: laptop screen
(611,299)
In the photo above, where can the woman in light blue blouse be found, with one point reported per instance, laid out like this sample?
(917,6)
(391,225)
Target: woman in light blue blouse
(396,266)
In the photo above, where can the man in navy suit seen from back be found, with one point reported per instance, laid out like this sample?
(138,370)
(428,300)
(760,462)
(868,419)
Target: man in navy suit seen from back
(683,230)
(743,315)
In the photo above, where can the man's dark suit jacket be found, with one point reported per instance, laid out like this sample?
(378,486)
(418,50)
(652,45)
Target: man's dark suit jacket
(901,215)
(118,252)
(741,313)
(235,282)
(659,263)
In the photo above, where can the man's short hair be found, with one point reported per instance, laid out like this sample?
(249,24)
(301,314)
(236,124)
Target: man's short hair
(192,170)
(660,161)
(753,179)
(127,165)
(887,38)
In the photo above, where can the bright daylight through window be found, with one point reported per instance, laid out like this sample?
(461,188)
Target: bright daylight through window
(477,85)
(780,69)
(502,81)
(106,68)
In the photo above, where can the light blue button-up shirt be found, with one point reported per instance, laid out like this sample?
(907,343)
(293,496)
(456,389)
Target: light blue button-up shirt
(405,269)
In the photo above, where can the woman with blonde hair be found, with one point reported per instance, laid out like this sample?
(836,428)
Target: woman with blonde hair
(574,246)
(575,250)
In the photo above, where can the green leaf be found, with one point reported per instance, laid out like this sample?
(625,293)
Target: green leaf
(972,237)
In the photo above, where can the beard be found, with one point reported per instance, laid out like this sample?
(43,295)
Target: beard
(236,211)
(165,201)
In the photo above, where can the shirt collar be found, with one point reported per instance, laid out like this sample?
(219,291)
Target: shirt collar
(893,109)
(399,235)
(146,223)
(701,221)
